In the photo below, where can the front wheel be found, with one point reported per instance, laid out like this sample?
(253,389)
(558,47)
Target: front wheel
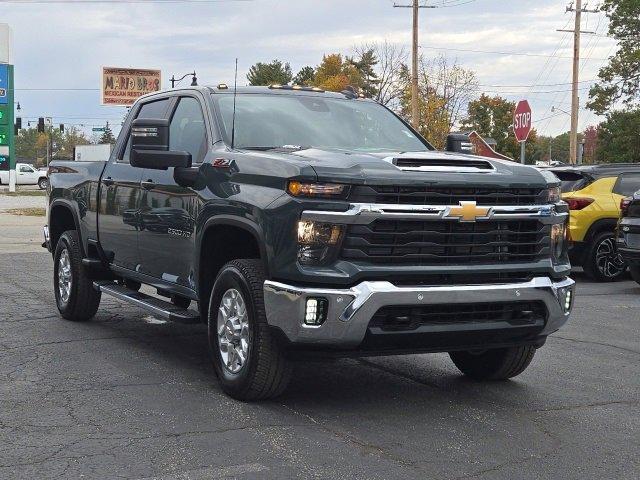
(603,262)
(494,364)
(76,298)
(248,360)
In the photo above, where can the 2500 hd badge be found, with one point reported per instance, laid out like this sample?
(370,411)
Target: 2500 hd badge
(333,230)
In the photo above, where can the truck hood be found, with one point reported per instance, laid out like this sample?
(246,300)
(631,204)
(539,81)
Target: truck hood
(430,167)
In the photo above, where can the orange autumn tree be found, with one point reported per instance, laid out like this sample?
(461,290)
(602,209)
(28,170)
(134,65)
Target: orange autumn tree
(335,74)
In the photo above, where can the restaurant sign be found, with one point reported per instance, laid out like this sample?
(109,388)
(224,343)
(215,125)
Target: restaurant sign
(122,86)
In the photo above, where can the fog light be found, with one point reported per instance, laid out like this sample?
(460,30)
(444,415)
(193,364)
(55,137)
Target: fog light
(567,300)
(316,311)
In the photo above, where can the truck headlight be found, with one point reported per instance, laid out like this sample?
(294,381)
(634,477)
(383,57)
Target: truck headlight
(552,195)
(318,243)
(558,240)
(317,190)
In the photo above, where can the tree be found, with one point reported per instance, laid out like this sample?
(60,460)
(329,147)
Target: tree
(33,145)
(492,117)
(590,136)
(365,62)
(334,74)
(272,73)
(107,135)
(620,78)
(305,76)
(390,80)
(619,138)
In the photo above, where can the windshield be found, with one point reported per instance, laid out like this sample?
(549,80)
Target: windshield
(300,121)
(571,181)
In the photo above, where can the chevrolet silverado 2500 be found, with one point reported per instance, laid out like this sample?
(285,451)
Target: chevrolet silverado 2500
(303,222)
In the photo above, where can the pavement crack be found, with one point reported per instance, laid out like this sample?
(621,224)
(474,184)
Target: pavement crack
(602,344)
(586,405)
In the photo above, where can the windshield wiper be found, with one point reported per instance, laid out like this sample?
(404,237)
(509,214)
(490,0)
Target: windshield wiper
(282,147)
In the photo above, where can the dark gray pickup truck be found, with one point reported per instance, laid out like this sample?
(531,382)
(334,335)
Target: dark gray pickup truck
(306,224)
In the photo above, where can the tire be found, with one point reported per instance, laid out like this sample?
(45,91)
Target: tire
(43,183)
(635,274)
(602,262)
(495,364)
(265,372)
(80,301)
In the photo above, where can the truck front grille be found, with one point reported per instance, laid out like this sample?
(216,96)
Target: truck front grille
(446,242)
(408,318)
(426,195)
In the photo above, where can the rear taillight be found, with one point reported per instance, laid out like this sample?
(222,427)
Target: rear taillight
(578,203)
(624,206)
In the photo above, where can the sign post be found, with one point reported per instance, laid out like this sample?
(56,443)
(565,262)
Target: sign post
(522,125)
(7,142)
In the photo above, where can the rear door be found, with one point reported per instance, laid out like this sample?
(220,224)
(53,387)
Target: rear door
(168,211)
(120,196)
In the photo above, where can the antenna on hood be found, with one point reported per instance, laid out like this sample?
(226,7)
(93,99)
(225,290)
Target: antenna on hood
(233,120)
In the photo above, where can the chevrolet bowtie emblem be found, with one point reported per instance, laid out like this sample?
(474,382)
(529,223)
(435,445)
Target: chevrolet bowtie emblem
(468,212)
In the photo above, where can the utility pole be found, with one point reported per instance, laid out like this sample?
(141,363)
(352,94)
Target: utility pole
(575,100)
(415,111)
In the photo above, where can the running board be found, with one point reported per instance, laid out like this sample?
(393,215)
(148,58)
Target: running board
(160,308)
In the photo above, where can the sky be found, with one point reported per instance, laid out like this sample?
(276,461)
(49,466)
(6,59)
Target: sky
(59,46)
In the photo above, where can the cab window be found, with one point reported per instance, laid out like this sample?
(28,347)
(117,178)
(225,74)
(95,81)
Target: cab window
(26,169)
(187,132)
(627,184)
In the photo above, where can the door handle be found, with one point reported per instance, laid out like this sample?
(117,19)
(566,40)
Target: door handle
(108,181)
(148,185)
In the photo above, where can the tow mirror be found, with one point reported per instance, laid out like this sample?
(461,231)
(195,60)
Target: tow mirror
(459,143)
(150,146)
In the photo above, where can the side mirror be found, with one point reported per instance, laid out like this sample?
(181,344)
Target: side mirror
(150,146)
(458,142)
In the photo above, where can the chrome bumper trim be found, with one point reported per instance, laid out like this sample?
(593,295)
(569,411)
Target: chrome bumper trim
(366,213)
(351,309)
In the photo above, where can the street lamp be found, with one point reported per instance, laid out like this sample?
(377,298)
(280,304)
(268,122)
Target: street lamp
(194,80)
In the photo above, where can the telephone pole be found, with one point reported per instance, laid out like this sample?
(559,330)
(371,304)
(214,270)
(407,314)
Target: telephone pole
(415,112)
(575,100)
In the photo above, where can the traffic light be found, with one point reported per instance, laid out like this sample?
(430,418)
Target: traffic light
(62,128)
(4,114)
(41,125)
(18,123)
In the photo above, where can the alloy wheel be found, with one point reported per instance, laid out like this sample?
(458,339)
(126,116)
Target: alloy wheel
(64,276)
(608,260)
(233,330)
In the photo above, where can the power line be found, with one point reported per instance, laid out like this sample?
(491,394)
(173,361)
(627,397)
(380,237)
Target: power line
(491,52)
(120,1)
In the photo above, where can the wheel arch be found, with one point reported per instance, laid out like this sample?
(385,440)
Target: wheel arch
(62,217)
(599,226)
(243,239)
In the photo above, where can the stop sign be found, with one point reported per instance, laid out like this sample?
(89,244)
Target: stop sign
(522,121)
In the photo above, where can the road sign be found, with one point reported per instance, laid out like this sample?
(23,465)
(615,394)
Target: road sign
(4,84)
(522,121)
(98,129)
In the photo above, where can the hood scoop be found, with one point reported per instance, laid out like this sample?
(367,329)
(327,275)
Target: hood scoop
(454,165)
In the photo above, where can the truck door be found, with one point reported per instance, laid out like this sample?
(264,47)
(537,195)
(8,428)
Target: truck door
(120,196)
(26,175)
(168,210)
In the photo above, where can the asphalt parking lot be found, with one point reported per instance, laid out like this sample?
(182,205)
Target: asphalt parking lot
(127,396)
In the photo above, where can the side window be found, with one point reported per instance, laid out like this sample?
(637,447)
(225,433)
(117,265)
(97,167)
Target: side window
(627,184)
(26,169)
(157,109)
(187,132)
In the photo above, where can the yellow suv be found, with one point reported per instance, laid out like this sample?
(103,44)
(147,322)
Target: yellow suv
(594,193)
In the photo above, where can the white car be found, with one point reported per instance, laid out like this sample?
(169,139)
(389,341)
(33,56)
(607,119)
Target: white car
(26,175)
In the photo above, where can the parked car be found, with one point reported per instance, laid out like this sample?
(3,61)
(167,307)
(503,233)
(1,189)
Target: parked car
(594,193)
(322,224)
(26,175)
(629,234)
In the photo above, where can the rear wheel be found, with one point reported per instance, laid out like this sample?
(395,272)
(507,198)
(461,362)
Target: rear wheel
(43,183)
(76,298)
(603,262)
(249,362)
(494,364)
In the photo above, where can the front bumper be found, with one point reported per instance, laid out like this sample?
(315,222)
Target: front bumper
(350,310)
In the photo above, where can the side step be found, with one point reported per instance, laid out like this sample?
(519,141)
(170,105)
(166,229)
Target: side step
(160,308)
